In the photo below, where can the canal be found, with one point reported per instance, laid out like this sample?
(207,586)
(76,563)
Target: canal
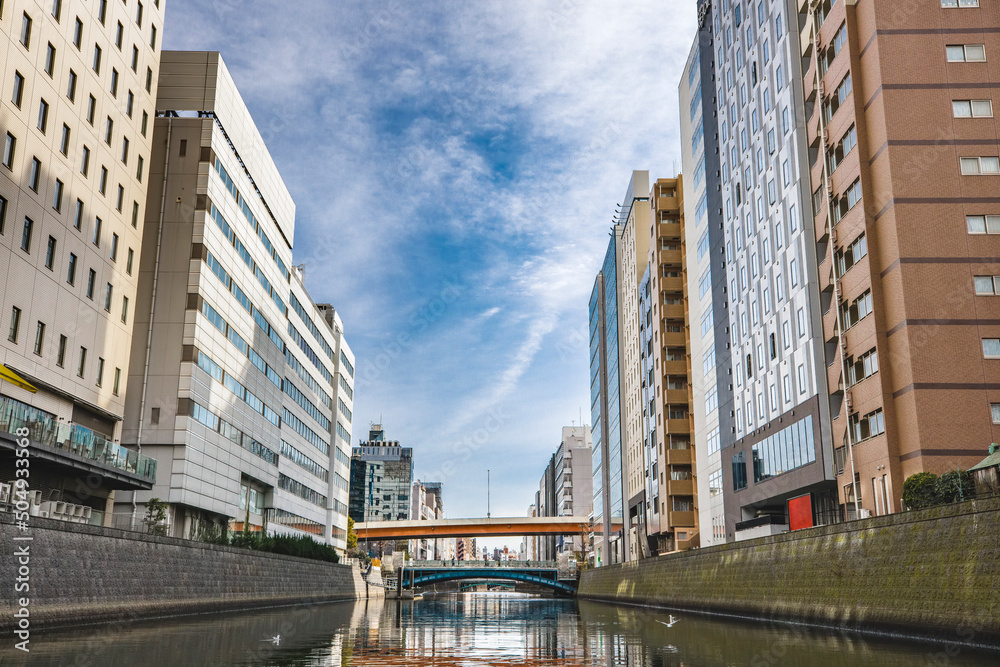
(474,629)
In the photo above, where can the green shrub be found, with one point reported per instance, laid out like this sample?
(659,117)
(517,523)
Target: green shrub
(955,486)
(920,491)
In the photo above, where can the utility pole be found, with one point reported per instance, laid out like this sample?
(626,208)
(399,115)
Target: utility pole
(487,493)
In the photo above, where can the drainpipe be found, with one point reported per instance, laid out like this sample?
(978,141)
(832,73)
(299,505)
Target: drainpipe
(833,260)
(152,301)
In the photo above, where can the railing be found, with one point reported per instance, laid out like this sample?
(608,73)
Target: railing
(74,438)
(517,564)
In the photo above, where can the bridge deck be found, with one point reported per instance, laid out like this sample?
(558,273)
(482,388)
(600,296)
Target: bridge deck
(497,527)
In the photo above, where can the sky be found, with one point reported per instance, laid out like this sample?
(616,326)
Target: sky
(455,168)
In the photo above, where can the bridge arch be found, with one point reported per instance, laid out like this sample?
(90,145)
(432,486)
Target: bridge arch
(422,578)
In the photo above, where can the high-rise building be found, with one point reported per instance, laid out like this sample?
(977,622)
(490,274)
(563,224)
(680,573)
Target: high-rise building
(545,505)
(607,380)
(427,505)
(233,368)
(903,147)
(381,479)
(465,548)
(667,384)
(79,82)
(633,244)
(711,373)
(781,447)
(574,490)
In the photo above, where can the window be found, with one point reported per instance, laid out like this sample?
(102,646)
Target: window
(118,378)
(857,310)
(91,282)
(739,471)
(39,338)
(983,224)
(991,348)
(18,95)
(138,15)
(862,368)
(83,362)
(64,142)
(102,11)
(61,356)
(71,270)
(26,31)
(71,88)
(135,213)
(145,122)
(97,59)
(85,162)
(114,247)
(15,324)
(8,151)
(152,37)
(128,261)
(831,106)
(124,150)
(57,10)
(129,103)
(50,253)
(845,202)
(78,33)
(972,108)
(109,128)
(847,258)
(846,144)
(100,371)
(802,379)
(959,3)
(869,426)
(800,320)
(125,310)
(26,234)
(114,82)
(138,168)
(121,198)
(108,295)
(96,239)
(119,35)
(43,115)
(980,166)
(986,285)
(50,59)
(149,80)
(78,217)
(91,110)
(966,53)
(104,180)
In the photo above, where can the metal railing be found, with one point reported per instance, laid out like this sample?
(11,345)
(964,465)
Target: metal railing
(516,564)
(73,438)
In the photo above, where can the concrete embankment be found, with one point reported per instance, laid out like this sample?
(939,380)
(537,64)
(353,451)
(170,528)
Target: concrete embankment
(931,573)
(80,574)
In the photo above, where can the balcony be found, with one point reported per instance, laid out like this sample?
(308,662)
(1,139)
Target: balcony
(672,339)
(672,311)
(670,230)
(680,487)
(668,204)
(72,444)
(678,457)
(681,519)
(679,426)
(675,368)
(672,396)
(672,285)
(670,257)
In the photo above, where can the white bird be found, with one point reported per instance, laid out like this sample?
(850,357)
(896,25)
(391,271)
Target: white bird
(673,621)
(274,640)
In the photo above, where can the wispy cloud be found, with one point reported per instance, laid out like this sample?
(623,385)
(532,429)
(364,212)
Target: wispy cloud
(479,146)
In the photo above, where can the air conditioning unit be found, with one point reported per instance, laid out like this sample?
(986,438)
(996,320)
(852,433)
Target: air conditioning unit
(59,509)
(5,493)
(87,511)
(833,235)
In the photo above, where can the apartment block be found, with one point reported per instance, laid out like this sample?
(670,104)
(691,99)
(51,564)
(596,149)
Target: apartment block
(904,169)
(711,372)
(779,452)
(234,370)
(574,482)
(666,341)
(78,82)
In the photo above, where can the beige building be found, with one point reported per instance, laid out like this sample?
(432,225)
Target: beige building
(242,385)
(76,120)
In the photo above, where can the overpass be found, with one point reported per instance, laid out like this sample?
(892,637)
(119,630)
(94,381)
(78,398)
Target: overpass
(540,573)
(495,527)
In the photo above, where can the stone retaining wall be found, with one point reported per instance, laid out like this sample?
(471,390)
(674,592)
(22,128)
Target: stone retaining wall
(86,574)
(933,573)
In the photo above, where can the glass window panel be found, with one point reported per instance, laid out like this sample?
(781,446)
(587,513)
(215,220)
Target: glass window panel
(992,224)
(984,284)
(961,108)
(982,108)
(991,347)
(990,165)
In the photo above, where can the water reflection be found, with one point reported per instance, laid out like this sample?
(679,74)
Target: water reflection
(470,630)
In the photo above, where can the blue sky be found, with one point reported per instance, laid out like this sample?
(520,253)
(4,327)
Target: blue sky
(455,168)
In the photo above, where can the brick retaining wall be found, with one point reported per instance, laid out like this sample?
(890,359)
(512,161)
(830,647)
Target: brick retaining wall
(929,572)
(86,574)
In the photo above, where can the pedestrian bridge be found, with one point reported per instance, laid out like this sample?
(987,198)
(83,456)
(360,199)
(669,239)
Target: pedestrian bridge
(495,527)
(540,573)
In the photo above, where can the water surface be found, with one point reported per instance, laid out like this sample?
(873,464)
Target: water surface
(473,629)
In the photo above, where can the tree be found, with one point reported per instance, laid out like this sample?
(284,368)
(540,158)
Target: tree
(955,486)
(156,516)
(352,537)
(920,491)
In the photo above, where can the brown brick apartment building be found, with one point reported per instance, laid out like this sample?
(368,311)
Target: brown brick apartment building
(904,147)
